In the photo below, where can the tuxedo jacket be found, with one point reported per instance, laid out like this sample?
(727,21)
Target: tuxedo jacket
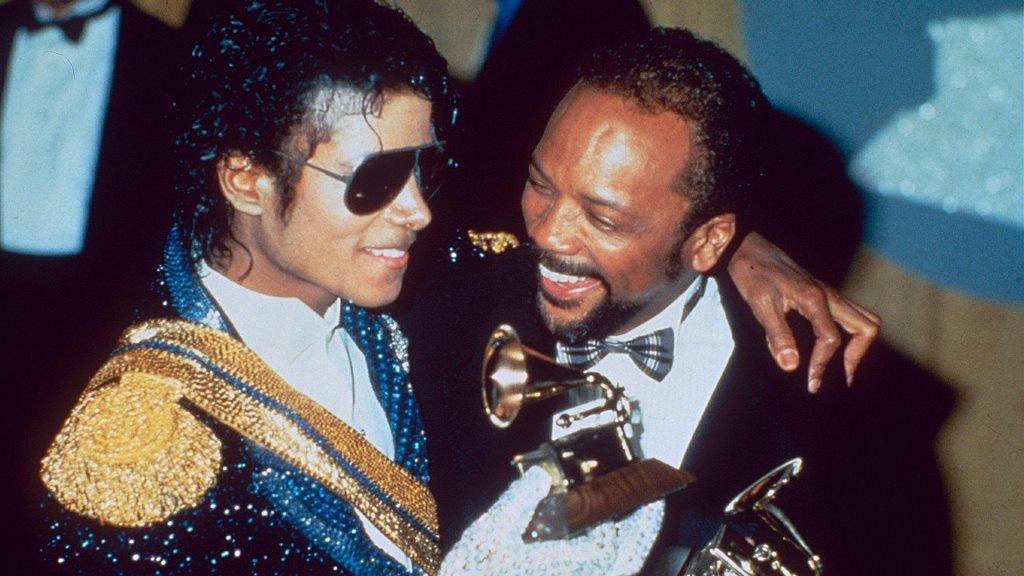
(62,314)
(132,196)
(742,434)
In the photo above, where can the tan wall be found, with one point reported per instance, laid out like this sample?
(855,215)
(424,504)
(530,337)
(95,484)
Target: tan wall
(461,28)
(718,20)
(172,12)
(975,347)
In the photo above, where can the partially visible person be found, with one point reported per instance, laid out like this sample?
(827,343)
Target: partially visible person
(84,198)
(85,156)
(262,421)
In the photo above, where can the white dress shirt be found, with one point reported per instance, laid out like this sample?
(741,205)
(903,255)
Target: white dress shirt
(315,356)
(51,125)
(670,410)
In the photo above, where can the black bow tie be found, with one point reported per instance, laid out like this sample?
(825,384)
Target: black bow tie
(71,27)
(652,353)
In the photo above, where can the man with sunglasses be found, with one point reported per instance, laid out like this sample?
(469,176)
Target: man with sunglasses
(262,420)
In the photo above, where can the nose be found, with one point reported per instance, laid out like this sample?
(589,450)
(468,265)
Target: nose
(551,225)
(409,209)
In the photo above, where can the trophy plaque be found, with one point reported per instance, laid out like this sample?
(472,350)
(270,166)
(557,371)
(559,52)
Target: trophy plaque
(597,473)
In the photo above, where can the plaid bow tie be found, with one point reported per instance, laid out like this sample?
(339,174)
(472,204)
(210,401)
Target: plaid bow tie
(652,353)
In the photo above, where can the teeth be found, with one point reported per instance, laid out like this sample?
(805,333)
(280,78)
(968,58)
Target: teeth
(387,252)
(558,277)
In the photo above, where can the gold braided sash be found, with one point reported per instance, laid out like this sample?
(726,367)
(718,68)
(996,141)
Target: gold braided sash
(130,454)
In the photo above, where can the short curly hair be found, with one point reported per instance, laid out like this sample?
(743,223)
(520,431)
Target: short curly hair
(670,69)
(262,79)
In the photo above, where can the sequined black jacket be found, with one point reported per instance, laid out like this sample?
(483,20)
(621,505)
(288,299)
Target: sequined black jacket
(263,515)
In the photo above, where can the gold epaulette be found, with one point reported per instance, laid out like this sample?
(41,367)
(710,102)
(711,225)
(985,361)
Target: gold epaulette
(493,242)
(130,454)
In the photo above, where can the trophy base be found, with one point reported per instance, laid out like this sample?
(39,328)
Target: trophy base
(565,513)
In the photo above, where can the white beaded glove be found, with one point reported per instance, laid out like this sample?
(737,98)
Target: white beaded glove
(494,543)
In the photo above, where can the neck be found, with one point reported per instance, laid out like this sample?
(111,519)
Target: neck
(58,8)
(659,301)
(247,268)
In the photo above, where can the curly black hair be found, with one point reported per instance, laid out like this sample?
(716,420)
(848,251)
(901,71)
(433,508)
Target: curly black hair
(258,81)
(671,70)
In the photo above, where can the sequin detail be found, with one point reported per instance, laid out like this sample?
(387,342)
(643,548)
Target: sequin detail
(241,526)
(496,242)
(109,461)
(960,151)
(233,531)
(222,377)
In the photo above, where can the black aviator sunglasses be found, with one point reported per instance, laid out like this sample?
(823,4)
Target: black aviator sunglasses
(379,178)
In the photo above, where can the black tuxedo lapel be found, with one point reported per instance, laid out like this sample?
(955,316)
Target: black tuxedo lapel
(131,196)
(741,434)
(132,193)
(452,313)
(12,15)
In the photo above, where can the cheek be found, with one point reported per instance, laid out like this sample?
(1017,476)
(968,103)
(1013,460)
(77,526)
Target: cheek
(531,207)
(317,232)
(630,268)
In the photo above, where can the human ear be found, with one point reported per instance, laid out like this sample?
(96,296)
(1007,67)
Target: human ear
(710,241)
(247,187)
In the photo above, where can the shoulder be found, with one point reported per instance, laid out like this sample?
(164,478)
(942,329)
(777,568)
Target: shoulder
(480,251)
(11,15)
(471,272)
(134,18)
(751,348)
(155,46)
(130,454)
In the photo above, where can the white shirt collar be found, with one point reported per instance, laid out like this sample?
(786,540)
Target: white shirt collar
(277,328)
(671,410)
(316,357)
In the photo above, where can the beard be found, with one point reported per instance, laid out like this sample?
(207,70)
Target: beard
(611,313)
(600,322)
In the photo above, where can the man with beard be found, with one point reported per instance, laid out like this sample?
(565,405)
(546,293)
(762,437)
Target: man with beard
(636,192)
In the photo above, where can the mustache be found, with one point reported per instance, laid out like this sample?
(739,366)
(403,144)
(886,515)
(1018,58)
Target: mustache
(563,265)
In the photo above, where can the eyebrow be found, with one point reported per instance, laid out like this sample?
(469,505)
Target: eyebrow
(588,198)
(536,166)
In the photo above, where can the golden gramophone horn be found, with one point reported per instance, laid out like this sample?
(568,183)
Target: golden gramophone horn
(516,375)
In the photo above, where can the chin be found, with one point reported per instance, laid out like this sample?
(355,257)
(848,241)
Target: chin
(577,323)
(378,298)
(566,324)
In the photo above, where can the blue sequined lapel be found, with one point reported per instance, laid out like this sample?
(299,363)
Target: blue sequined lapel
(383,346)
(376,335)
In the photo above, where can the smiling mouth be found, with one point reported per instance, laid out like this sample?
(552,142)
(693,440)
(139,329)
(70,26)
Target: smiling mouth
(564,289)
(390,257)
